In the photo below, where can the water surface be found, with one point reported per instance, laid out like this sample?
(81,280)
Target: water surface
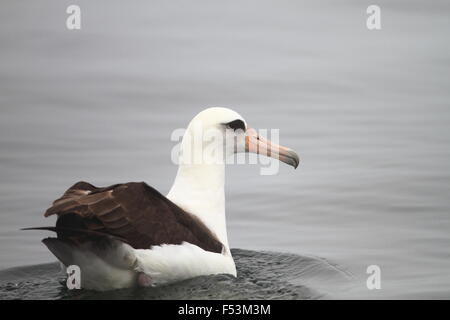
(262,275)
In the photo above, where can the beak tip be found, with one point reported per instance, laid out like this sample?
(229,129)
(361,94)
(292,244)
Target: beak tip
(295,158)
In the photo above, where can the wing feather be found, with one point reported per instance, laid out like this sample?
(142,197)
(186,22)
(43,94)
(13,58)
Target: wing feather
(134,212)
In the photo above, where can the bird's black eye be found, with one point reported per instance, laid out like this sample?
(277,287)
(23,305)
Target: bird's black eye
(236,124)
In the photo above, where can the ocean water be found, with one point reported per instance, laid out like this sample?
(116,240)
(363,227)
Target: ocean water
(367,111)
(261,275)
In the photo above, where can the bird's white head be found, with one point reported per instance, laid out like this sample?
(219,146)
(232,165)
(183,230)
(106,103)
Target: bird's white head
(216,133)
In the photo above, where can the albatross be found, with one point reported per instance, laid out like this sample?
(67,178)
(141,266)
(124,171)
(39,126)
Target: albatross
(129,234)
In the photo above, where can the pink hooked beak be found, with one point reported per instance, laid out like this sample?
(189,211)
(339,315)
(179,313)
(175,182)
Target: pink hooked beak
(255,143)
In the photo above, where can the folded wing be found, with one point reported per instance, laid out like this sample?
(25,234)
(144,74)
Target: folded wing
(133,212)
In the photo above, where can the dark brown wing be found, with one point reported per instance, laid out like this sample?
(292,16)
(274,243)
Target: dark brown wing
(134,212)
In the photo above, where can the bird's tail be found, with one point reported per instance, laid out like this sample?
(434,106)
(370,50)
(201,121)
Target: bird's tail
(62,250)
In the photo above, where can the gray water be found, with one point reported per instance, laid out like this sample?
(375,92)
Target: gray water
(368,112)
(261,275)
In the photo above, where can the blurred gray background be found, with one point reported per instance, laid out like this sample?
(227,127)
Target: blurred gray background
(368,112)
